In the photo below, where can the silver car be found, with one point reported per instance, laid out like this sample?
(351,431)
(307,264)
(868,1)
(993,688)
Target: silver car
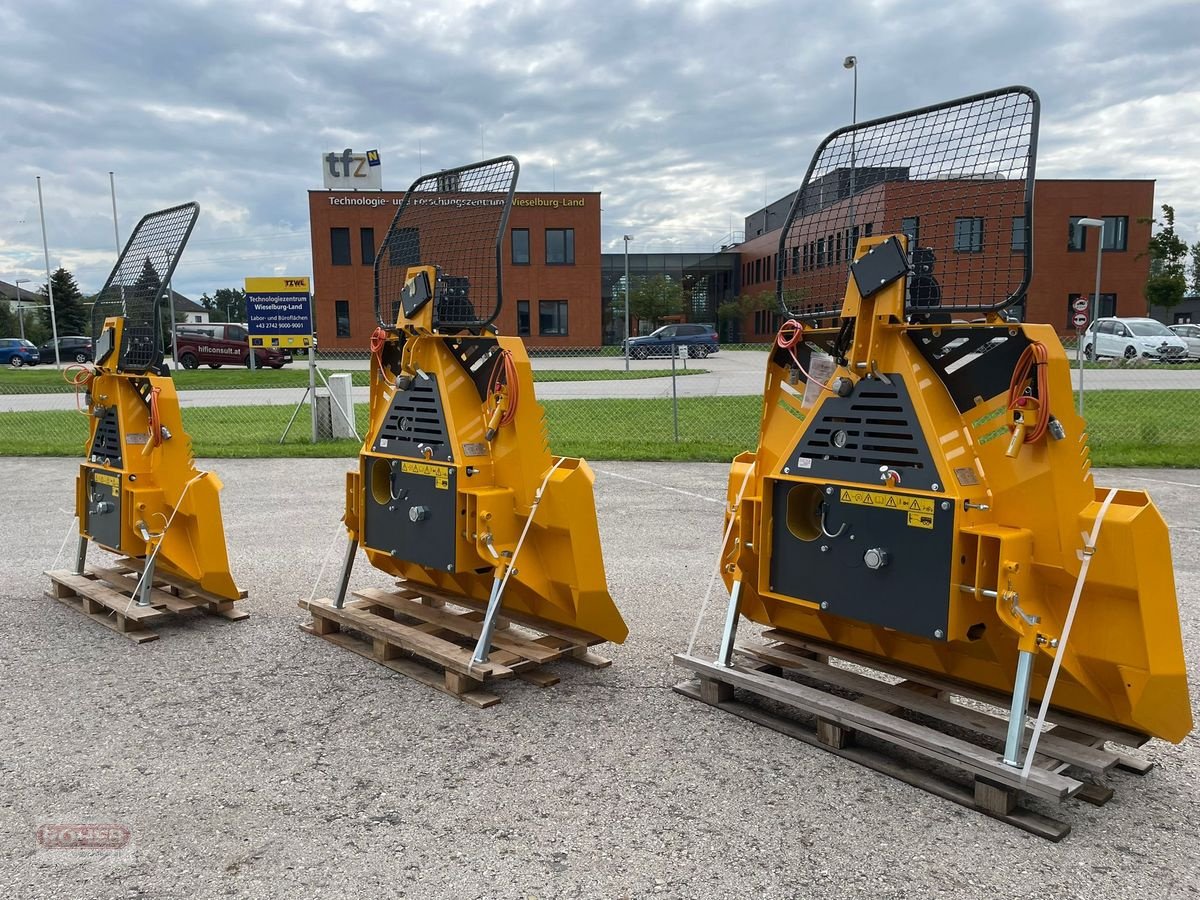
(1191,335)
(1134,339)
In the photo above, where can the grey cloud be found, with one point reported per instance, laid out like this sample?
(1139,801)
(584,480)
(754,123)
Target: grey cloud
(685,116)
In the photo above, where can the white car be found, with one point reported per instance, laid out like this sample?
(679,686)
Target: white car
(1190,334)
(1134,339)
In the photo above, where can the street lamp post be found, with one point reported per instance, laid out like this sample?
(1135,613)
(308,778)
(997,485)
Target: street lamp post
(1090,223)
(627,238)
(851,63)
(20,308)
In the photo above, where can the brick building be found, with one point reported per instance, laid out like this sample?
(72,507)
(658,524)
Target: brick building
(550,266)
(1064,253)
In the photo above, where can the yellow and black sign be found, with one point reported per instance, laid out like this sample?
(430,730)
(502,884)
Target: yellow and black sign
(440,474)
(919,510)
(279,312)
(112,481)
(887,501)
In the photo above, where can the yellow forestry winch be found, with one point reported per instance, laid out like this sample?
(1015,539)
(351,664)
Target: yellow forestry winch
(456,489)
(922,488)
(139,493)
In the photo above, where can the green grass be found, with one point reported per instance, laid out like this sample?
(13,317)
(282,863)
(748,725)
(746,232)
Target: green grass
(49,381)
(1127,428)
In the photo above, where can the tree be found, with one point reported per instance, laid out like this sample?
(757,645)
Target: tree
(71,314)
(9,327)
(656,298)
(226,305)
(1167,283)
(1196,269)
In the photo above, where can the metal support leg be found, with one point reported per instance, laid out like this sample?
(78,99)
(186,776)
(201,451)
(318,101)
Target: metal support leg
(1016,715)
(347,568)
(81,554)
(143,598)
(484,645)
(725,654)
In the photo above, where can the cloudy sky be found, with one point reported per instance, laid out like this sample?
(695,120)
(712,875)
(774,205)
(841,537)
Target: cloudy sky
(687,116)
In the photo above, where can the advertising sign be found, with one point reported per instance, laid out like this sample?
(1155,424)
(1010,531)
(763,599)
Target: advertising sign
(279,312)
(346,170)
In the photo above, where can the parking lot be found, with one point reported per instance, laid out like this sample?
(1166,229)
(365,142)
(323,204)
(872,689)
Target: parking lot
(250,758)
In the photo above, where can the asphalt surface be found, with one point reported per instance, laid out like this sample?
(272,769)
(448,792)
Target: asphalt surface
(728,373)
(250,759)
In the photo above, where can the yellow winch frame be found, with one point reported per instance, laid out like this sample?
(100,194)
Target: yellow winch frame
(139,493)
(964,561)
(456,488)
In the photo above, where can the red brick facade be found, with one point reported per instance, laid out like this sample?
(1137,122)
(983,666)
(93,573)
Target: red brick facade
(1058,270)
(577,283)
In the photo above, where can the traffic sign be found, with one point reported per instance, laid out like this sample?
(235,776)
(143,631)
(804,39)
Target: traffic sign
(1080,303)
(1080,320)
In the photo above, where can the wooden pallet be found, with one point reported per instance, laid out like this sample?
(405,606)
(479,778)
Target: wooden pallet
(1071,762)
(430,636)
(105,594)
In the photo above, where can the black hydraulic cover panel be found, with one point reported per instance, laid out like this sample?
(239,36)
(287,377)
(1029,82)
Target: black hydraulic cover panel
(909,592)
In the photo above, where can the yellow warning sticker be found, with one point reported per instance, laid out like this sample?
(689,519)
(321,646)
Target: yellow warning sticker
(920,520)
(888,501)
(440,474)
(113,481)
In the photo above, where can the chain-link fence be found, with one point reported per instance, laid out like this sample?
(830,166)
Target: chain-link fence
(660,407)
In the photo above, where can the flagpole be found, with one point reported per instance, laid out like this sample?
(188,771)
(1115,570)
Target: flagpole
(49,282)
(112,186)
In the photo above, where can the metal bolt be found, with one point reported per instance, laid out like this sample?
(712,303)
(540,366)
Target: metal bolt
(787,471)
(828,490)
(449,567)
(935,486)
(945,504)
(824,604)
(824,548)
(939,634)
(851,537)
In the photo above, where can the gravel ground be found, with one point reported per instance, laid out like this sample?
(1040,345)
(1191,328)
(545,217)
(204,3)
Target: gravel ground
(250,759)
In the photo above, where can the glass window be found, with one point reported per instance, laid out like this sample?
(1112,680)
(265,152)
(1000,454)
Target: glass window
(1116,232)
(339,241)
(552,317)
(366,239)
(520,247)
(523,318)
(1076,235)
(820,252)
(560,247)
(234,333)
(968,235)
(341,312)
(795,260)
(1018,234)
(911,226)
(1149,329)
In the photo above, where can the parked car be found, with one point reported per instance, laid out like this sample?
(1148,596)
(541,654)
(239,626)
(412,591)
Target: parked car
(1134,339)
(71,348)
(215,344)
(1191,336)
(18,352)
(700,341)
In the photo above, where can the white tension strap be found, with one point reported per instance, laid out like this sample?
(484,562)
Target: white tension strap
(1085,556)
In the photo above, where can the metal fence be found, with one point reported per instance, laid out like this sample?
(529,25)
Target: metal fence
(1139,413)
